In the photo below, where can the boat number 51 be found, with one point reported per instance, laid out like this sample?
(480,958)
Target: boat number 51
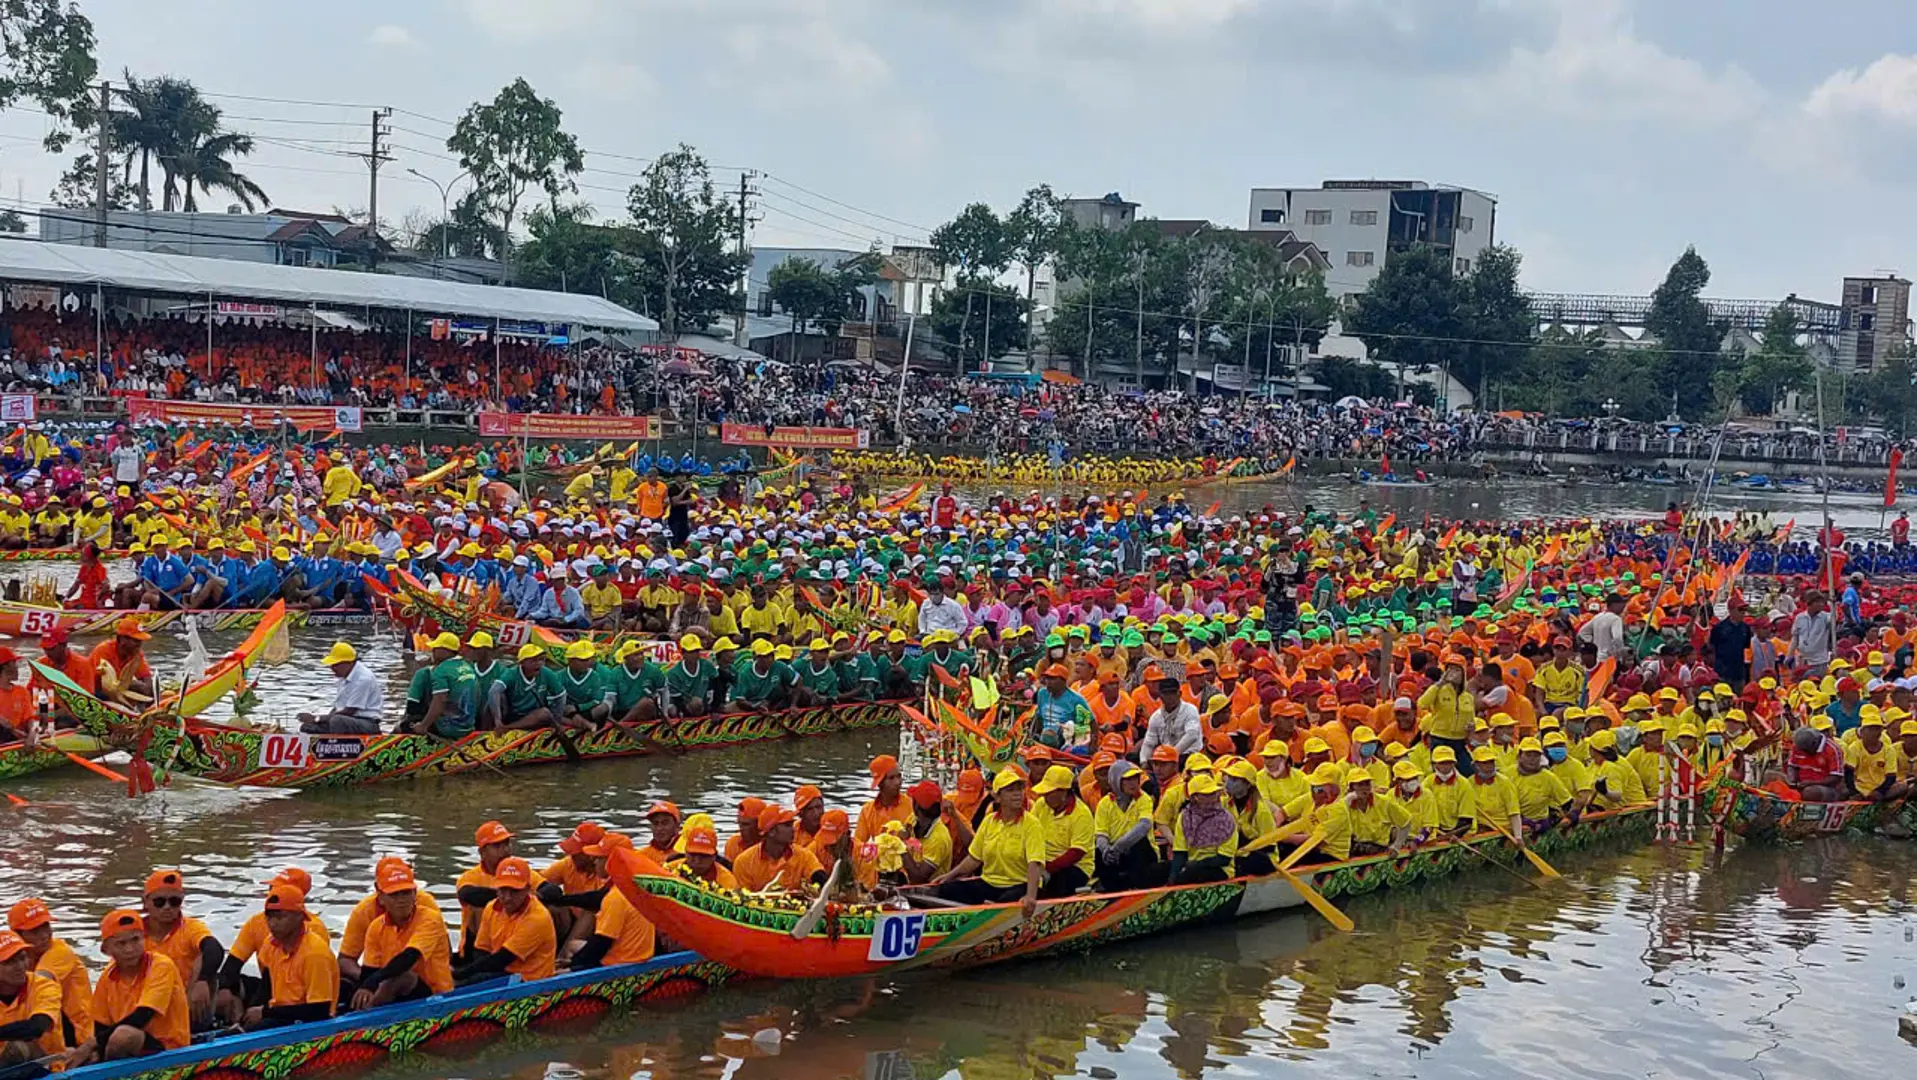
(897,937)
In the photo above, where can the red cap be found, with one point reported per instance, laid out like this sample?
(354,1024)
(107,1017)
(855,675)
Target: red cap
(1847,685)
(55,636)
(29,914)
(926,794)
(8,656)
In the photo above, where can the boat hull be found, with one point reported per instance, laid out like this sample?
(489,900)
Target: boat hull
(17,759)
(449,1024)
(22,620)
(1758,816)
(251,758)
(754,936)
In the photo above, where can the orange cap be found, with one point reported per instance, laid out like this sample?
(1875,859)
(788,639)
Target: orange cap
(10,945)
(664,806)
(773,816)
(285,897)
(750,807)
(513,873)
(129,627)
(165,881)
(395,877)
(120,921)
(702,842)
(491,833)
(1165,752)
(834,825)
(1056,671)
(29,914)
(971,780)
(609,843)
(806,796)
(583,835)
(295,877)
(881,765)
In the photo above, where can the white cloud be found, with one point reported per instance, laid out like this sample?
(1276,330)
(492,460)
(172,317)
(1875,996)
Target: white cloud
(626,83)
(1887,89)
(1596,67)
(811,54)
(391,36)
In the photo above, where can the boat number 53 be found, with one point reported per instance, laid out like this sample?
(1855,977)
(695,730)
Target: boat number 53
(897,937)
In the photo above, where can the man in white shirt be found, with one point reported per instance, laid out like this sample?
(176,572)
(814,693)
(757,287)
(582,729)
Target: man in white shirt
(359,703)
(1174,724)
(940,612)
(129,463)
(1606,629)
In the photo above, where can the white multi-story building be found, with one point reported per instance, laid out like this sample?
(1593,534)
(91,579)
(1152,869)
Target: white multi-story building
(1360,224)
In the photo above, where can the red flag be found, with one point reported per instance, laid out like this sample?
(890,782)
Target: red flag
(1890,482)
(1384,464)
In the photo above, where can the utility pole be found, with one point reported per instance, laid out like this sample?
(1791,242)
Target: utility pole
(746,221)
(376,156)
(100,167)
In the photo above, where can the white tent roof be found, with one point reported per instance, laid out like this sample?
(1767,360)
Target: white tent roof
(36,262)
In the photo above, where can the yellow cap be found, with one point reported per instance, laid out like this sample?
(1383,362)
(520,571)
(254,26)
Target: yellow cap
(581,650)
(1202,784)
(1005,778)
(528,651)
(446,640)
(1484,753)
(1056,778)
(1530,746)
(480,640)
(691,643)
(1404,770)
(1327,775)
(340,653)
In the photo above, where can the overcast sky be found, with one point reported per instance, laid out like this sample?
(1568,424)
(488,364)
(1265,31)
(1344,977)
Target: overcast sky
(1772,134)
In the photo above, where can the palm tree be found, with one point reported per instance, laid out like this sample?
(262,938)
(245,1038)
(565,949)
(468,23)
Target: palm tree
(205,163)
(169,123)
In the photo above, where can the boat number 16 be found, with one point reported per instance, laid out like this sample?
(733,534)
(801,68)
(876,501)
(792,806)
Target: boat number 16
(897,937)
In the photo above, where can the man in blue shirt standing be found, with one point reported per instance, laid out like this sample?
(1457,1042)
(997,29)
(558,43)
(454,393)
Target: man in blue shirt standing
(1852,604)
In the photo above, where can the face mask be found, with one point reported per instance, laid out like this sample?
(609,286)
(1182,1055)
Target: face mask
(1237,788)
(1555,754)
(1367,750)
(1411,787)
(1575,729)
(1714,740)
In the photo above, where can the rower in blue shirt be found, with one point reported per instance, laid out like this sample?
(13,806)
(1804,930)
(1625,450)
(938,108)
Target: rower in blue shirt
(236,570)
(519,591)
(560,603)
(163,573)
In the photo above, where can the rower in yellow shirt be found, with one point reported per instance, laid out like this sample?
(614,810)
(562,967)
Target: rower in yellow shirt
(1541,795)
(1496,799)
(1324,808)
(1616,783)
(341,484)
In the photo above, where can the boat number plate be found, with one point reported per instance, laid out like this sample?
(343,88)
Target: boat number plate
(283,750)
(35,623)
(337,748)
(897,937)
(515,634)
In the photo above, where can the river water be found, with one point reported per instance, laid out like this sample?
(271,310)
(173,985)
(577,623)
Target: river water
(1655,962)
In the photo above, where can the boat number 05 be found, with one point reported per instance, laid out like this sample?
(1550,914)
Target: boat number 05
(283,750)
(897,937)
(35,623)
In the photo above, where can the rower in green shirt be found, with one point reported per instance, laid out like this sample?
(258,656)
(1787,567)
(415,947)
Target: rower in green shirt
(528,694)
(760,681)
(451,708)
(588,692)
(488,669)
(818,677)
(638,684)
(689,682)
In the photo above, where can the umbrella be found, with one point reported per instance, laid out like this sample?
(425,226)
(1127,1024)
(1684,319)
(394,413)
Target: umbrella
(1350,401)
(962,409)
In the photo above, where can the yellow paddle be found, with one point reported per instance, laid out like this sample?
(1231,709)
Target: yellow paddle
(1537,860)
(1310,895)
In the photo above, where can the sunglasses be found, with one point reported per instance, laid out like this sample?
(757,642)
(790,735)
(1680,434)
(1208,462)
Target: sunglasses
(166,901)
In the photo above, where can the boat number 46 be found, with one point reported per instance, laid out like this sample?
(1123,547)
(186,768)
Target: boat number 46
(897,937)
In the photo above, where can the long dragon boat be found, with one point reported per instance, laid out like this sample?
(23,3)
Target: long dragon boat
(29,620)
(104,726)
(272,757)
(54,554)
(416,607)
(450,1025)
(754,935)
(1754,814)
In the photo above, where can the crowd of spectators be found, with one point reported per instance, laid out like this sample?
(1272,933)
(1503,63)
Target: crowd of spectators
(257,361)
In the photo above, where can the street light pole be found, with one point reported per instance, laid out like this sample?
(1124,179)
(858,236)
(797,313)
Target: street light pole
(445,212)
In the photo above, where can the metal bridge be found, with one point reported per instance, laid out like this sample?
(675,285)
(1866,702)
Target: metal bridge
(1587,309)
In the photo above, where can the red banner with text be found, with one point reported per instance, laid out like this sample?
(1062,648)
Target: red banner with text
(568,426)
(827,438)
(303,417)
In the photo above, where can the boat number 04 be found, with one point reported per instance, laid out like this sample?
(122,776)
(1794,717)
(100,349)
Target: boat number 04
(283,750)
(897,937)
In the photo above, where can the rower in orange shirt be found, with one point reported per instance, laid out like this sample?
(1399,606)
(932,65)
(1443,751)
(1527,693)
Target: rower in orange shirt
(515,931)
(139,981)
(196,954)
(30,1004)
(300,970)
(56,959)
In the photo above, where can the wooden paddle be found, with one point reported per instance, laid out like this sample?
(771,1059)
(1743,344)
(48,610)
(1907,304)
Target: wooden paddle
(1310,895)
(1473,849)
(1537,860)
(93,766)
(803,928)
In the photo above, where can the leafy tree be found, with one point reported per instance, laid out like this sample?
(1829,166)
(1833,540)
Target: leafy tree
(978,246)
(687,240)
(1123,289)
(46,57)
(1413,315)
(1891,391)
(78,188)
(158,117)
(470,232)
(513,146)
(814,295)
(1499,320)
(1345,376)
(976,342)
(566,252)
(1033,231)
(1211,261)
(205,162)
(1269,310)
(11,222)
(1781,365)
(1688,338)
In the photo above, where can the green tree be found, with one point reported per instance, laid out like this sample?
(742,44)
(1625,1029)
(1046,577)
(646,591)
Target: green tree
(205,162)
(78,189)
(514,145)
(978,246)
(1500,325)
(687,239)
(1212,261)
(46,57)
(1688,339)
(1033,231)
(11,222)
(1781,365)
(976,342)
(158,117)
(564,251)
(1891,391)
(1413,315)
(815,296)
(1119,295)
